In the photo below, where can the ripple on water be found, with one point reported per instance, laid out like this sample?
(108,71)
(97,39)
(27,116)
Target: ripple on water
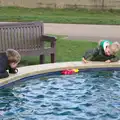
(84,96)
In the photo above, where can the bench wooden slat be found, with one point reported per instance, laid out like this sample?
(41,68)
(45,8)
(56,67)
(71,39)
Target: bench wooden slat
(26,37)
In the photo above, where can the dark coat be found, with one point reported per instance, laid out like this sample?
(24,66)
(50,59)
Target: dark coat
(4,66)
(97,54)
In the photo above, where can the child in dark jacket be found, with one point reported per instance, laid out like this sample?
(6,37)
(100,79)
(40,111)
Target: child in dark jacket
(106,51)
(9,60)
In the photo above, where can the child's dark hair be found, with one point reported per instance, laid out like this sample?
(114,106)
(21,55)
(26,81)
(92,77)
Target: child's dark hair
(13,56)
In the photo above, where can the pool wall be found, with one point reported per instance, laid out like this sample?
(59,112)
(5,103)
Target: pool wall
(48,69)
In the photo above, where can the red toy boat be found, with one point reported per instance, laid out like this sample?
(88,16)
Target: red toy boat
(69,71)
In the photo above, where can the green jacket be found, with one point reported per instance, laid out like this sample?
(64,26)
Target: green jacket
(98,54)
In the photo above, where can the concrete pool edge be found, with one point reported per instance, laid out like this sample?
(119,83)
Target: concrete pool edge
(54,67)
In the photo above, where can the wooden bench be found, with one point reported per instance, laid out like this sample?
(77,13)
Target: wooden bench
(28,39)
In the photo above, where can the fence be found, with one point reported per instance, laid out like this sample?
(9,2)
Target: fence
(96,4)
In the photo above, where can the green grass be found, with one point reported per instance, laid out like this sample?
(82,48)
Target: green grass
(67,50)
(60,15)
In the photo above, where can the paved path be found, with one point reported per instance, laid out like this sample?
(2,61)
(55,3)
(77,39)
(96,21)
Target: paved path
(84,32)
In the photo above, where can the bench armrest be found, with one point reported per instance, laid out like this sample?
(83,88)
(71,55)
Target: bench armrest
(49,38)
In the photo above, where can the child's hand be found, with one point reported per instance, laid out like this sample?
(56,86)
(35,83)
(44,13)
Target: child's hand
(84,60)
(108,61)
(13,65)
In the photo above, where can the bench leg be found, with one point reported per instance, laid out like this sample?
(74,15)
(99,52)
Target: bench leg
(42,59)
(53,58)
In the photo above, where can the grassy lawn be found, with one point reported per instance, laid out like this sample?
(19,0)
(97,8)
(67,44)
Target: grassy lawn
(67,50)
(60,15)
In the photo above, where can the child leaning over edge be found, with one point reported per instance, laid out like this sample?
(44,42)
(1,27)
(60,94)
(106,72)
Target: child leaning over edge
(9,60)
(106,51)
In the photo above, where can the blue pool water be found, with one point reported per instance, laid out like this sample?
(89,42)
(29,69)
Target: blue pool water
(84,96)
